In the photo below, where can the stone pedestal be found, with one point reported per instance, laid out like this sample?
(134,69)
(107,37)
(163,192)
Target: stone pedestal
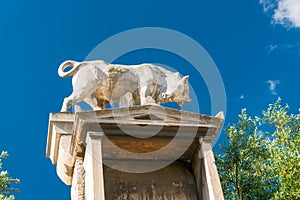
(144,152)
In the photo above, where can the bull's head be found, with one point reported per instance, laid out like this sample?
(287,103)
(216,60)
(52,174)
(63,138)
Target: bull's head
(177,92)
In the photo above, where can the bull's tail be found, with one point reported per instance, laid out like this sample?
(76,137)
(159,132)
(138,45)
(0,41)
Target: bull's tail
(69,63)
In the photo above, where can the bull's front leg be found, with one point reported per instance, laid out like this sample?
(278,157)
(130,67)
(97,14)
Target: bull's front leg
(143,95)
(146,99)
(80,92)
(126,100)
(70,101)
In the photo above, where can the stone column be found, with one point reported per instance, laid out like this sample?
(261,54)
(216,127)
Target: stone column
(94,179)
(206,174)
(77,189)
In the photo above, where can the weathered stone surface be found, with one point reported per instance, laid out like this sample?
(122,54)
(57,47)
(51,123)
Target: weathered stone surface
(98,83)
(212,185)
(65,161)
(172,182)
(59,124)
(205,172)
(58,144)
(143,120)
(78,181)
(193,174)
(94,181)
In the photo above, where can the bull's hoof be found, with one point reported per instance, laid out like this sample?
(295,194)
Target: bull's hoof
(63,109)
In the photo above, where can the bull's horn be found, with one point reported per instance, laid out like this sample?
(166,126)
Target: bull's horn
(186,79)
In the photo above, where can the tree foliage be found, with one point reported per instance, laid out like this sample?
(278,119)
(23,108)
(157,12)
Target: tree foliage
(6,191)
(257,164)
(285,149)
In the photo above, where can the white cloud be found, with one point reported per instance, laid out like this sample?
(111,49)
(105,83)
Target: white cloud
(288,13)
(272,86)
(292,49)
(285,12)
(267,4)
(271,48)
(242,97)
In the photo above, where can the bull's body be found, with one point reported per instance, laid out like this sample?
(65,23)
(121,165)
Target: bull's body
(98,83)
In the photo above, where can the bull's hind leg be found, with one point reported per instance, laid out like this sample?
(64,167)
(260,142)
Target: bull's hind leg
(78,95)
(66,105)
(84,84)
(93,102)
(70,101)
(102,104)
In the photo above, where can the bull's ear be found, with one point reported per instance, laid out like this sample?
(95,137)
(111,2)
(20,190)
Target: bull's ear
(185,79)
(176,74)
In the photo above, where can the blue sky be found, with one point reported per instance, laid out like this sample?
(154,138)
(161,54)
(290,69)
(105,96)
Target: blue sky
(255,45)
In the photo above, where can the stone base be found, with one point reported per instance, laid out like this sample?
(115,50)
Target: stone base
(88,148)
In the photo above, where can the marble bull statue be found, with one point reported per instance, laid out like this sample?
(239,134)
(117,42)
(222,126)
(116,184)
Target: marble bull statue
(98,83)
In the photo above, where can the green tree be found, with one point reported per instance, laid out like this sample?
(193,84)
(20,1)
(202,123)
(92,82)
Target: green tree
(257,164)
(285,149)
(244,168)
(6,191)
